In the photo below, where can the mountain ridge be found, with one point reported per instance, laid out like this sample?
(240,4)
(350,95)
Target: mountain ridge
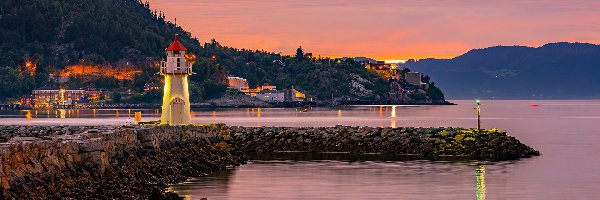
(560,70)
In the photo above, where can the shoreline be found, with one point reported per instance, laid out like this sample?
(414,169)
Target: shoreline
(208,106)
(141,161)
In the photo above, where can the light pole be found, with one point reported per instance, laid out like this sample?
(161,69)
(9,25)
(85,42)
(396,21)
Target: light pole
(478,115)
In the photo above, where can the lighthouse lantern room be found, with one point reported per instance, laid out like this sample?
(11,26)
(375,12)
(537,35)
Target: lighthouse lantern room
(176,99)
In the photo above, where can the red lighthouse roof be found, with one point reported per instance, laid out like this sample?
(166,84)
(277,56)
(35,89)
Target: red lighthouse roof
(176,46)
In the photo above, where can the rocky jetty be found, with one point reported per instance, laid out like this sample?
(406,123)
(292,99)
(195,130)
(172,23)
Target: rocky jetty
(108,162)
(138,162)
(426,143)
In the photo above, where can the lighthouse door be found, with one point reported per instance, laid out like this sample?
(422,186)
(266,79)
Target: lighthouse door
(177,110)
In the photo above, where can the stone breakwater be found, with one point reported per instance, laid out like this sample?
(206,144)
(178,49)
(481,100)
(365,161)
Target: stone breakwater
(104,162)
(429,143)
(107,162)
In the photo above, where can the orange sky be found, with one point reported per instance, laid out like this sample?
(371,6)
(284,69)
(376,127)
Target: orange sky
(385,29)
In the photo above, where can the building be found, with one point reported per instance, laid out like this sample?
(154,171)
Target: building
(293,95)
(27,100)
(152,87)
(271,96)
(53,96)
(176,100)
(380,65)
(238,83)
(266,86)
(413,78)
(94,94)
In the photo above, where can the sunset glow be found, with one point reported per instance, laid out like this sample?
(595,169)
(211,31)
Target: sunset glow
(385,29)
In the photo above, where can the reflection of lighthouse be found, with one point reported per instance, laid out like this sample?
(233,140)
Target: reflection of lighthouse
(176,99)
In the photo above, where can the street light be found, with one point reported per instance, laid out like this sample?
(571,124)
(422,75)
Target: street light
(478,115)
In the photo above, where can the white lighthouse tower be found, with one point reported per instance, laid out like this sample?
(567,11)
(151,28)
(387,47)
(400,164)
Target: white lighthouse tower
(176,99)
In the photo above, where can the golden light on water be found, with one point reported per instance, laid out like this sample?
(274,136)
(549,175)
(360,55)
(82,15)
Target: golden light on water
(393,114)
(63,113)
(480,174)
(339,112)
(258,113)
(27,114)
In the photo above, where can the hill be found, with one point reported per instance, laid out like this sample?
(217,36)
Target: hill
(552,71)
(116,44)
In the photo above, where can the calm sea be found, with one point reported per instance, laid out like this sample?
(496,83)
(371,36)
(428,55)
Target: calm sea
(567,133)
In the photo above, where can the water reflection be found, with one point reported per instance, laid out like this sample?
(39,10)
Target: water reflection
(215,186)
(335,179)
(339,112)
(63,113)
(27,114)
(480,174)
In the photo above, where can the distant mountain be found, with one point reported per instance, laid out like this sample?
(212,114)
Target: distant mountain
(553,71)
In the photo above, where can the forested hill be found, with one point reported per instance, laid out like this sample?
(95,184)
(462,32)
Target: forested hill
(131,35)
(553,71)
(60,33)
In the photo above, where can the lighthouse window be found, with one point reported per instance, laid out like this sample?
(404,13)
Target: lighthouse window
(178,63)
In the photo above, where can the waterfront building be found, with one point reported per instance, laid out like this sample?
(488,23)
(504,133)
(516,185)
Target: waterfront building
(52,96)
(94,94)
(413,78)
(238,83)
(293,95)
(176,99)
(27,100)
(271,96)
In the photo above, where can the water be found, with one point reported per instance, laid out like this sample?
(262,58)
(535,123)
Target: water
(565,132)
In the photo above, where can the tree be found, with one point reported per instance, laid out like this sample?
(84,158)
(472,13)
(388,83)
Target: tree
(116,96)
(299,53)
(213,89)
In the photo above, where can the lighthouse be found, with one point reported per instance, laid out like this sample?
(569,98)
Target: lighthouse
(176,99)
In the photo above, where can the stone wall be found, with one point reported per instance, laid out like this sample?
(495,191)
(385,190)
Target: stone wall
(60,152)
